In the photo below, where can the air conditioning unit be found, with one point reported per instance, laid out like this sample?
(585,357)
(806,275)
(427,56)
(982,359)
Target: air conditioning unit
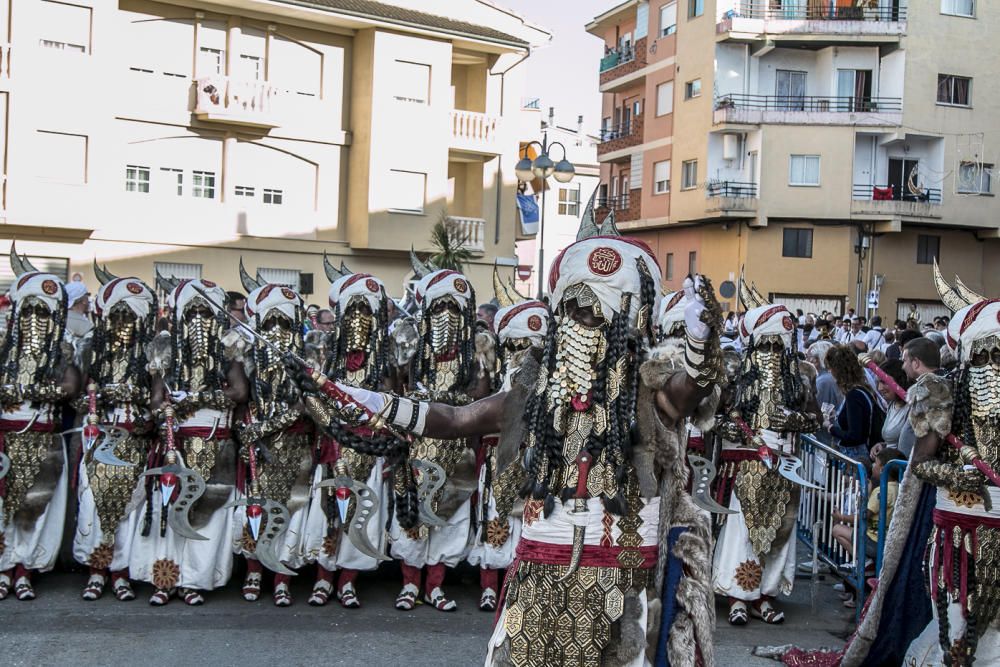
(730,146)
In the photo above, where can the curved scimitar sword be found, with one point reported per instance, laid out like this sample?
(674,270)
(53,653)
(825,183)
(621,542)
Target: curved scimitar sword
(432,478)
(192,486)
(275,524)
(365,507)
(788,467)
(105,452)
(701,492)
(4,465)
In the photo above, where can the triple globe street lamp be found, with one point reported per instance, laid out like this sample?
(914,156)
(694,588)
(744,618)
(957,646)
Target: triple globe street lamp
(542,167)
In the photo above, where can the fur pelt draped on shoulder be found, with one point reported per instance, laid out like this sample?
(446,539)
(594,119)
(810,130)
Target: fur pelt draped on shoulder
(931,402)
(661,450)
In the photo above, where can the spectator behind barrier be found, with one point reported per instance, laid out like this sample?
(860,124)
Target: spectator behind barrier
(921,356)
(896,431)
(858,423)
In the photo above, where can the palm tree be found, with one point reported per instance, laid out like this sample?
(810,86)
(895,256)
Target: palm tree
(448,241)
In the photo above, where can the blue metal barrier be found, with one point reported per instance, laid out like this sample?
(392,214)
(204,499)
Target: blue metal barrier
(899,466)
(845,489)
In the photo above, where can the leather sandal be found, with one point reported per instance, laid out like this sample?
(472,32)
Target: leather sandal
(738,613)
(251,587)
(437,599)
(282,595)
(161,596)
(767,612)
(348,597)
(191,597)
(122,588)
(94,588)
(23,590)
(320,593)
(488,600)
(407,598)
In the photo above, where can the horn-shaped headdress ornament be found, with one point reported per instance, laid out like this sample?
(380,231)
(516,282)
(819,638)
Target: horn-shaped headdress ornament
(20,263)
(249,283)
(420,269)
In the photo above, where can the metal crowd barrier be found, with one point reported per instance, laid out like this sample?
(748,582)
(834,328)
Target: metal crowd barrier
(882,507)
(845,489)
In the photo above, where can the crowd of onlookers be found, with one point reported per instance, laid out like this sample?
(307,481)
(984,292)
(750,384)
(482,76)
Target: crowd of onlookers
(864,418)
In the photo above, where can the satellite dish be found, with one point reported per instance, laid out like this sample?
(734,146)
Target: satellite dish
(727,289)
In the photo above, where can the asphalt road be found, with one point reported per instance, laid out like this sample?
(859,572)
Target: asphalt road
(60,629)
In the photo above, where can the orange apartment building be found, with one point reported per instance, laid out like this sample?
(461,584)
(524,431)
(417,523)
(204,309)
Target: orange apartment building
(831,147)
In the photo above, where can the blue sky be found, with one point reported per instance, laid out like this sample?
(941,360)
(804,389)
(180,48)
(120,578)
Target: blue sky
(564,73)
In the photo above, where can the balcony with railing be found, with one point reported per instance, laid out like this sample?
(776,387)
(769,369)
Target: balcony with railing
(471,231)
(904,201)
(622,135)
(223,99)
(731,196)
(623,60)
(624,205)
(474,132)
(808,109)
(778,21)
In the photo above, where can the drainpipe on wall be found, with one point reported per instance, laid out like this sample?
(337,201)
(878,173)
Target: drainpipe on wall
(499,179)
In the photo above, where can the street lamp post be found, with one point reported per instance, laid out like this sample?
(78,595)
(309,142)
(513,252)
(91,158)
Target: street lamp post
(543,167)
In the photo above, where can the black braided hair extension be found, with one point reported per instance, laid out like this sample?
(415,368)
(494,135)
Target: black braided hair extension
(972,617)
(647,299)
(405,505)
(962,415)
(425,371)
(791,379)
(378,356)
(390,447)
(747,399)
(618,421)
(467,349)
(53,345)
(941,603)
(536,416)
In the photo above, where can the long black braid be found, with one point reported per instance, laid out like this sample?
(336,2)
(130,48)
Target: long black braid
(538,420)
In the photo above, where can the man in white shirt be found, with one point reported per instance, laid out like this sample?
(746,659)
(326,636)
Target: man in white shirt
(875,338)
(78,324)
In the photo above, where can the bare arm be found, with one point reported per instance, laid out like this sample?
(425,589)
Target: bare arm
(480,418)
(239,388)
(679,398)
(71,382)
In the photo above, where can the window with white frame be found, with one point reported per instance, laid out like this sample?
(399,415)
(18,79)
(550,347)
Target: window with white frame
(975,178)
(569,200)
(411,82)
(692,89)
(661,177)
(954,90)
(803,170)
(203,184)
(273,196)
(665,98)
(65,27)
(251,68)
(136,178)
(959,7)
(65,157)
(174,179)
(244,191)
(211,61)
(407,190)
(212,42)
(668,19)
(689,174)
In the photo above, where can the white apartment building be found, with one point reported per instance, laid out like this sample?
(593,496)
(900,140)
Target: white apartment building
(182,136)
